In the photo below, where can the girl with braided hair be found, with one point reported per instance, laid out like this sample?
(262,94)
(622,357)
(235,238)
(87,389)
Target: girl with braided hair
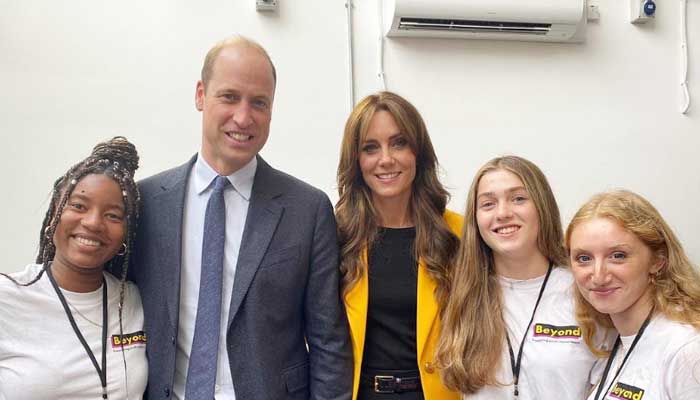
(70,330)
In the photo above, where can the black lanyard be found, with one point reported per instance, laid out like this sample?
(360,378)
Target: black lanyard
(102,372)
(618,341)
(515,365)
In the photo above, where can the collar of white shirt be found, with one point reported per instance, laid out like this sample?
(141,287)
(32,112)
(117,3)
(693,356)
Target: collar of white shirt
(241,180)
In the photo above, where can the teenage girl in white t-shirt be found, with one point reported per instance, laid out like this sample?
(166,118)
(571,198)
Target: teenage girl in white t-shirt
(509,329)
(70,330)
(632,274)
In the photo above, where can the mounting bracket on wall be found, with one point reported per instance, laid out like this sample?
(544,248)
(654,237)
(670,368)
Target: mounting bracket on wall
(266,5)
(593,13)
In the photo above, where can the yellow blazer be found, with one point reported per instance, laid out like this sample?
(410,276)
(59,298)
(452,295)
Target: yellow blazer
(427,325)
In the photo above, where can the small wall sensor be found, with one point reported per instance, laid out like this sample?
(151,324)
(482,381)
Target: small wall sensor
(642,11)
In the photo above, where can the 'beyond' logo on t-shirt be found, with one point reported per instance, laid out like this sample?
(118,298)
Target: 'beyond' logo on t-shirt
(128,340)
(626,392)
(566,333)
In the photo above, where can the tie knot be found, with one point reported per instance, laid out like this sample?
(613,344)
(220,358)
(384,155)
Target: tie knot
(220,183)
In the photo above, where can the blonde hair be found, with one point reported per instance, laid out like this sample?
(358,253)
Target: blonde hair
(435,243)
(676,289)
(473,329)
(231,42)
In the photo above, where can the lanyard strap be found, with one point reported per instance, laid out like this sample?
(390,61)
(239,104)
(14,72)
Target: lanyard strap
(618,342)
(515,365)
(102,372)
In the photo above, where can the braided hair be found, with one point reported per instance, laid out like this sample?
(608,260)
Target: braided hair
(116,158)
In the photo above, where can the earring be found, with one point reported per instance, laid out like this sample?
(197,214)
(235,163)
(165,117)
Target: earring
(652,279)
(124,250)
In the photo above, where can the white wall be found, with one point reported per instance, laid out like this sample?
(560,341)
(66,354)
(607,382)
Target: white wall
(594,116)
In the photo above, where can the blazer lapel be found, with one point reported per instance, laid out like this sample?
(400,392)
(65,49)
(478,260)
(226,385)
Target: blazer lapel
(169,239)
(427,308)
(356,303)
(264,214)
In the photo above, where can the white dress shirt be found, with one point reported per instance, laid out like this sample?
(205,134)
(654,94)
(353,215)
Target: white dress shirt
(237,199)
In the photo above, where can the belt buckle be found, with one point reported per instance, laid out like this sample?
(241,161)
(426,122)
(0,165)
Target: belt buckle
(379,379)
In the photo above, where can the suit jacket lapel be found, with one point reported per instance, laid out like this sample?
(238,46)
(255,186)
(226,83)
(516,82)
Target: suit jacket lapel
(169,239)
(264,214)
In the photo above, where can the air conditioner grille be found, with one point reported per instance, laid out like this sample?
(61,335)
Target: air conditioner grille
(460,25)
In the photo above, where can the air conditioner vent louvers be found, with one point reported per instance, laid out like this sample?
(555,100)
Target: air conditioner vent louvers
(460,25)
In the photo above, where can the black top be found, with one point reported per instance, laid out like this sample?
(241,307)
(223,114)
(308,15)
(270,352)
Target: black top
(390,338)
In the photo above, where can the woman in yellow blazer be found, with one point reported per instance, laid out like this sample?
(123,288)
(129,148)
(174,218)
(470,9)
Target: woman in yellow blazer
(397,246)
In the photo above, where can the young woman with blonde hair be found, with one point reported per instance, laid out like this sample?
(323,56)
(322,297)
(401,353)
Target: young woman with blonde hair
(633,275)
(509,329)
(397,245)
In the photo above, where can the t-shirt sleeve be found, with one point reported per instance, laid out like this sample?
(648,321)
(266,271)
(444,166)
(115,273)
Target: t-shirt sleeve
(5,305)
(10,295)
(682,378)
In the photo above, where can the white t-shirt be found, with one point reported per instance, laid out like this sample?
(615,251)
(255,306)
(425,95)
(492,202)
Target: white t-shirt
(664,365)
(40,355)
(556,363)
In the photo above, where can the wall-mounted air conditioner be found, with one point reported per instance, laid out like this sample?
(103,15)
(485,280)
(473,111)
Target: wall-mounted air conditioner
(531,20)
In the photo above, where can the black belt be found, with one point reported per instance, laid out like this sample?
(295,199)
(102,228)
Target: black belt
(392,384)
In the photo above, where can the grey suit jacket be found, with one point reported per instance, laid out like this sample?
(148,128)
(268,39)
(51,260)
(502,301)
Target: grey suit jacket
(285,292)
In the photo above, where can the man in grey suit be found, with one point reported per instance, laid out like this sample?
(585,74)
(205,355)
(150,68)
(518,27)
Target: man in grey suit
(281,330)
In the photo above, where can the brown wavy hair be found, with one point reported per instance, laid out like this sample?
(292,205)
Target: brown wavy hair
(435,244)
(473,330)
(675,288)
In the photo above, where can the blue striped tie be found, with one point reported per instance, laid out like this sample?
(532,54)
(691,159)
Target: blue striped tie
(201,373)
